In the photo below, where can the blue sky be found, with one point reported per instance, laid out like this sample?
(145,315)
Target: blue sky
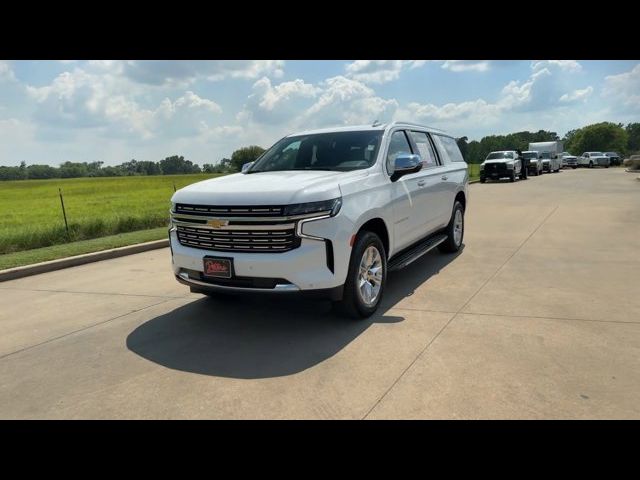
(113,111)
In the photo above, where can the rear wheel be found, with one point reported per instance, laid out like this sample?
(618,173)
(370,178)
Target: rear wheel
(483,180)
(366,277)
(454,231)
(512,177)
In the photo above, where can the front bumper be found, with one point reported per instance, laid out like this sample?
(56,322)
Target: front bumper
(198,284)
(316,264)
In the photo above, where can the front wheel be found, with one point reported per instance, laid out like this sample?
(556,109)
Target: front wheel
(590,164)
(366,277)
(454,231)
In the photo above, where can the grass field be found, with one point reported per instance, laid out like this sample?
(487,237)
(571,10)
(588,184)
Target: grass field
(474,171)
(37,255)
(96,207)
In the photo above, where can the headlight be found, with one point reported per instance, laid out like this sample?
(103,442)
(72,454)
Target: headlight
(331,207)
(482,166)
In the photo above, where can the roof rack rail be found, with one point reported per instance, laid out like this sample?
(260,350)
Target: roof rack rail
(401,122)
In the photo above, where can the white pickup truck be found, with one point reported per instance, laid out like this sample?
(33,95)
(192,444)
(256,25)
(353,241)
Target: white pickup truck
(326,212)
(594,159)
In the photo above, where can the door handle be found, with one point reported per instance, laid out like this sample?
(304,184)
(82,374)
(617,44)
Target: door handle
(444,177)
(421,183)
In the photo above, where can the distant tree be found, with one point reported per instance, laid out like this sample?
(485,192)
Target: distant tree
(601,137)
(463,146)
(73,170)
(38,172)
(13,173)
(633,132)
(177,164)
(244,155)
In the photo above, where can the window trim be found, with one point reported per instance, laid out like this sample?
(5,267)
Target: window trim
(388,144)
(433,149)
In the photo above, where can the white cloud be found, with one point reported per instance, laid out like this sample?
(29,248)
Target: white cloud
(273,97)
(6,72)
(85,100)
(566,65)
(277,104)
(380,71)
(344,100)
(184,72)
(577,95)
(466,65)
(624,87)
(541,92)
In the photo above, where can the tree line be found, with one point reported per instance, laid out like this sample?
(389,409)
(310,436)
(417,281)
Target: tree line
(604,136)
(174,165)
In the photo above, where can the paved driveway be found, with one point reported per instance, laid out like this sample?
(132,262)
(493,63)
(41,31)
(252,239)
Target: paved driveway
(538,317)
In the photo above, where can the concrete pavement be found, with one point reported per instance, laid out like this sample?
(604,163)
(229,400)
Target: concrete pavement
(538,317)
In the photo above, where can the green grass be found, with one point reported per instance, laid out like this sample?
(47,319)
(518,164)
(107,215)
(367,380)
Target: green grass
(37,255)
(96,207)
(474,171)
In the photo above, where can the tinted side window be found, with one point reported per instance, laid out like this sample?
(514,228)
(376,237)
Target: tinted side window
(448,149)
(397,144)
(425,150)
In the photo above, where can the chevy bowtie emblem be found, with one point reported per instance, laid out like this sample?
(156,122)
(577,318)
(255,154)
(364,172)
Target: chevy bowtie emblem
(217,223)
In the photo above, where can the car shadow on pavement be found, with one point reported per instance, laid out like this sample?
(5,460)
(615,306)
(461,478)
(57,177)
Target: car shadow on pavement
(258,336)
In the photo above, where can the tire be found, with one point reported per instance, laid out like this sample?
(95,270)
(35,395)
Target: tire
(590,164)
(575,167)
(483,179)
(353,304)
(456,225)
(512,178)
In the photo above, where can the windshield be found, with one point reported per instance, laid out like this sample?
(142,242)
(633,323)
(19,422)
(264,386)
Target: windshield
(595,154)
(545,155)
(529,155)
(611,154)
(336,151)
(498,155)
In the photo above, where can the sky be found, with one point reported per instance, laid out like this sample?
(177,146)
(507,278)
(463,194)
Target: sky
(115,110)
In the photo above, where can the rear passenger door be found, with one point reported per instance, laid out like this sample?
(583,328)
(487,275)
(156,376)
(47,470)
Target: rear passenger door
(454,172)
(430,192)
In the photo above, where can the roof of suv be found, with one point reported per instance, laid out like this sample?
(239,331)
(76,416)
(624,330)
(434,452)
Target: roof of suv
(375,126)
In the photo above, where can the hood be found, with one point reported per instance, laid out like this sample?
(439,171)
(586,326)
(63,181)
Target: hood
(499,160)
(267,188)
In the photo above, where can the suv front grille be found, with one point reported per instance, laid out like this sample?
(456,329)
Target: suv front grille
(227,211)
(238,240)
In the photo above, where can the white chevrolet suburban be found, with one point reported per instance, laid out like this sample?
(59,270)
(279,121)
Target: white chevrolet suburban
(326,212)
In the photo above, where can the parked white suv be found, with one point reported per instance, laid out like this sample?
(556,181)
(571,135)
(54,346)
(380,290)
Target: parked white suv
(326,211)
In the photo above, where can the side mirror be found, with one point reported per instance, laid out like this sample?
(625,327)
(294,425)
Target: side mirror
(406,163)
(247,166)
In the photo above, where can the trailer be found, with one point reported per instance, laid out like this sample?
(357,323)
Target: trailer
(550,153)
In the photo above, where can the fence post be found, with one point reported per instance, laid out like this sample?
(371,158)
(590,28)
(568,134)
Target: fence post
(64,213)
(174,187)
